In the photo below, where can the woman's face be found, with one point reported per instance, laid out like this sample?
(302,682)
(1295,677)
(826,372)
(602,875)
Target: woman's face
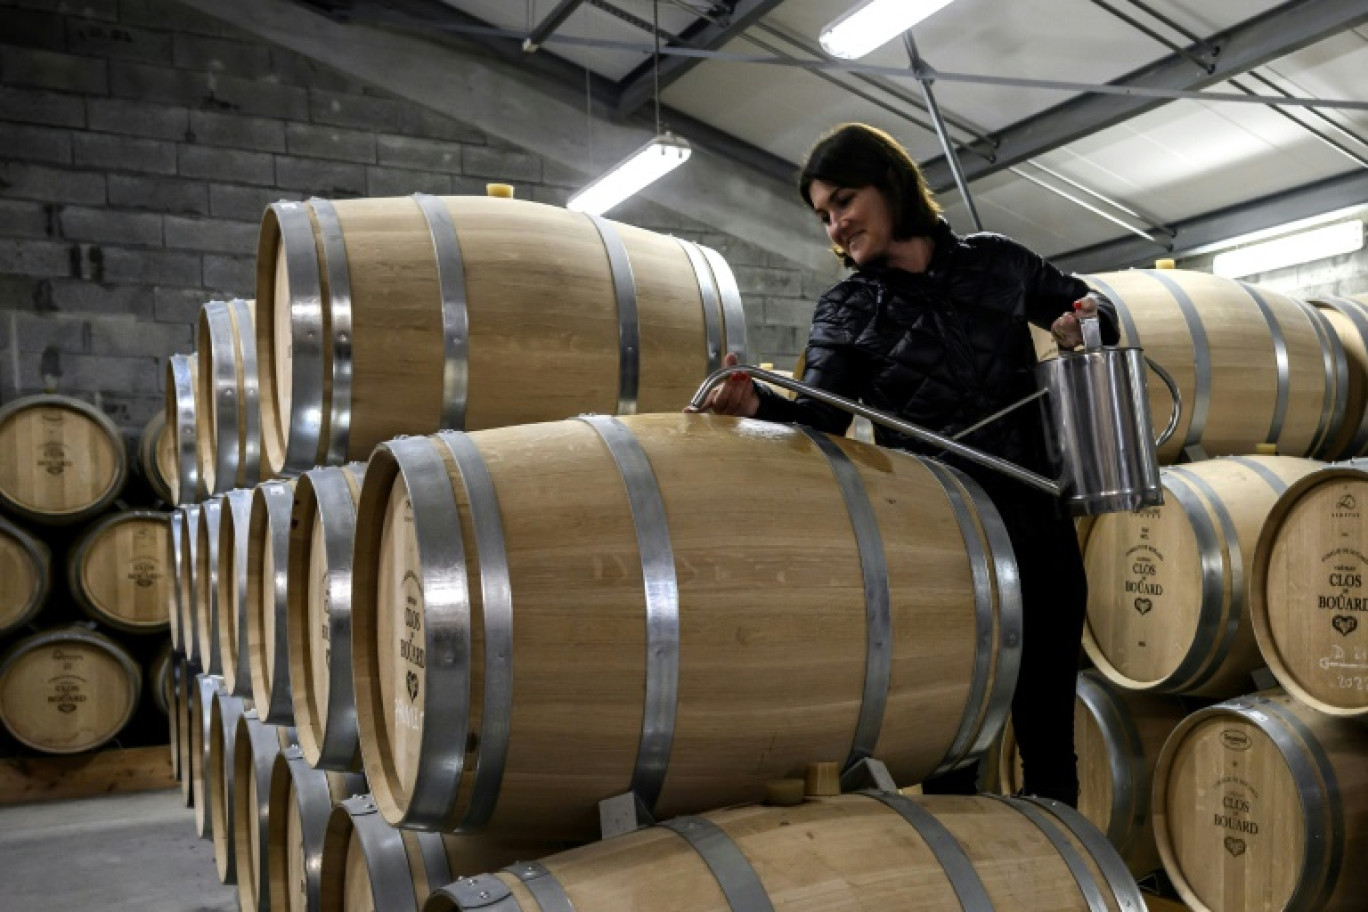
(857,219)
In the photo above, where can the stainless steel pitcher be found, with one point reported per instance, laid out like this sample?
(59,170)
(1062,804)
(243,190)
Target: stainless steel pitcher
(1098,429)
(1098,426)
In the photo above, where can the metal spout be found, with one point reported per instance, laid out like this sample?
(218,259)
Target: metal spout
(1010,469)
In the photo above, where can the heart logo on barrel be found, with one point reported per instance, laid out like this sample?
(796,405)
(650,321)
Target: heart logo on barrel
(1236,847)
(1143,605)
(1345,624)
(412,686)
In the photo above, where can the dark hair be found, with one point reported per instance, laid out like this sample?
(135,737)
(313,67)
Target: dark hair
(857,155)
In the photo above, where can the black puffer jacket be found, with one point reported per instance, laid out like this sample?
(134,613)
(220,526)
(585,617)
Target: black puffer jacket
(942,349)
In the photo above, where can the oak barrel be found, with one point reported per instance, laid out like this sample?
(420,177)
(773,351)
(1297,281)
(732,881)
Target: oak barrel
(255,749)
(680,632)
(268,562)
(228,407)
(156,458)
(25,576)
(119,571)
(1118,735)
(1348,317)
(207,607)
(201,703)
(1308,597)
(234,528)
(369,865)
(1254,366)
(182,386)
(224,714)
(64,459)
(1261,804)
(67,690)
(322,531)
(868,850)
(1168,586)
(302,800)
(427,301)
(189,591)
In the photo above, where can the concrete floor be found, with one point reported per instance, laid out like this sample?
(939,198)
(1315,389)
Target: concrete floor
(122,853)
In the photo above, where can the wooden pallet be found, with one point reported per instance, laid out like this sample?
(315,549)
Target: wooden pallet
(135,769)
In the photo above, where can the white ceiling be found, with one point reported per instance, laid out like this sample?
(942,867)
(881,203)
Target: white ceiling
(1178,162)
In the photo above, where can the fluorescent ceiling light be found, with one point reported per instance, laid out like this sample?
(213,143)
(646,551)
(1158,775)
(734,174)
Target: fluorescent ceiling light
(1317,244)
(651,162)
(874,23)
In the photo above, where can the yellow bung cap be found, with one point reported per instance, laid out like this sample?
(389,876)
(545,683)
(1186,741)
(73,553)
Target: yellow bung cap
(767,365)
(1164,264)
(1266,449)
(502,191)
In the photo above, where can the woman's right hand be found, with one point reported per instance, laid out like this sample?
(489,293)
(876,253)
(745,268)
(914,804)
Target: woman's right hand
(737,396)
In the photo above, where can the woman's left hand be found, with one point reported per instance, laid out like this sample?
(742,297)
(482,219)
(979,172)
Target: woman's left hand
(1066,331)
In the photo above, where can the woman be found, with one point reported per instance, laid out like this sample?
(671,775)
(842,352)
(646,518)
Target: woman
(933,328)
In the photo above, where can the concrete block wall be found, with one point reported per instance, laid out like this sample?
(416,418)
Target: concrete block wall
(140,141)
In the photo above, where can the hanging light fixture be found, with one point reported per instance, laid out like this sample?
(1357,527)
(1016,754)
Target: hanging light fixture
(874,23)
(651,162)
(1291,250)
(646,165)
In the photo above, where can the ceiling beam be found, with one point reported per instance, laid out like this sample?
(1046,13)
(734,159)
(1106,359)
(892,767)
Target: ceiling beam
(1252,43)
(638,86)
(558,75)
(554,20)
(1310,200)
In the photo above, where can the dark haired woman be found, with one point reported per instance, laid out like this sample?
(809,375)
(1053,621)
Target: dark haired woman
(933,327)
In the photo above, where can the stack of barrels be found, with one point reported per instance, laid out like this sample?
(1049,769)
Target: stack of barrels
(1216,730)
(561,607)
(85,579)
(460,589)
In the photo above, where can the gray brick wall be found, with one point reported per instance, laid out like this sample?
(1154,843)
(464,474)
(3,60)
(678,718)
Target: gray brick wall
(142,140)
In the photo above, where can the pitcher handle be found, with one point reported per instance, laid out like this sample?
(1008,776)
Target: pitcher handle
(1177,400)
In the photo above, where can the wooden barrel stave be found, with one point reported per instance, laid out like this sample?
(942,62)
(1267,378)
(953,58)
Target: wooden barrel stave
(387,354)
(574,559)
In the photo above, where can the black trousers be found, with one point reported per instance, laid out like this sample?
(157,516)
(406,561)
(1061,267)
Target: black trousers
(1054,600)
